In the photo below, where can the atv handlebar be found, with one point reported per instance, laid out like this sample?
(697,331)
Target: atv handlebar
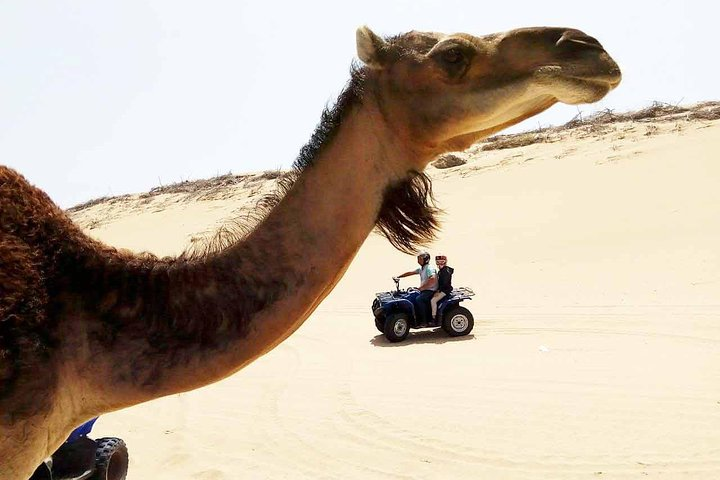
(397,285)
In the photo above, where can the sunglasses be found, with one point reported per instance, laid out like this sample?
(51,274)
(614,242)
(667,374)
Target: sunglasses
(440,259)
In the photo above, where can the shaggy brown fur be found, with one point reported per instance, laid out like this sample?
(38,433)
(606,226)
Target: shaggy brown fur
(408,217)
(27,325)
(55,269)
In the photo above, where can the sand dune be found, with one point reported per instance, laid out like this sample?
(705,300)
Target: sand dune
(595,354)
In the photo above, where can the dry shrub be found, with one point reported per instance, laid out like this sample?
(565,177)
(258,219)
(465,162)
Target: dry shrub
(449,160)
(657,112)
(712,112)
(501,142)
(92,203)
(193,186)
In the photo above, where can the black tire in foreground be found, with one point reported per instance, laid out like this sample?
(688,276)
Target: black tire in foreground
(397,327)
(458,321)
(111,459)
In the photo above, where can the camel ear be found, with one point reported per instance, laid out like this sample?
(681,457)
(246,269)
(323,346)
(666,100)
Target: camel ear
(370,48)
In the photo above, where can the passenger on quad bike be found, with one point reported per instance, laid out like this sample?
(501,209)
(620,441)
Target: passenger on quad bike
(428,286)
(444,283)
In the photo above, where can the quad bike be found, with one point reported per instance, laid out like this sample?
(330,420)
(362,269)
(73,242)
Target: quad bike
(81,458)
(395,313)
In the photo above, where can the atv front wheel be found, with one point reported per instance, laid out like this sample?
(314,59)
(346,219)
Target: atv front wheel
(111,459)
(380,323)
(397,327)
(458,322)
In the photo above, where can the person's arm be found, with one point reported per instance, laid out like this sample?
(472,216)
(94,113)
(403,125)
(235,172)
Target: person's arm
(407,274)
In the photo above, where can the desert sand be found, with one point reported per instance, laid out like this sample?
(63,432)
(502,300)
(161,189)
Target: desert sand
(594,255)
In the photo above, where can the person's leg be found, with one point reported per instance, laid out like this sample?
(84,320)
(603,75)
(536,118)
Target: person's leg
(433,303)
(419,310)
(421,306)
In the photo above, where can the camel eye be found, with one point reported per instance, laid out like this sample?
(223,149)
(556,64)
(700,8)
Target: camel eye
(454,59)
(453,56)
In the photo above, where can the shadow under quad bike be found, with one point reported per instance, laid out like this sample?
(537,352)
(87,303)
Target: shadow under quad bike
(81,458)
(395,314)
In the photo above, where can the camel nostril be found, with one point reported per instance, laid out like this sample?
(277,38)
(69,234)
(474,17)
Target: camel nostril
(577,39)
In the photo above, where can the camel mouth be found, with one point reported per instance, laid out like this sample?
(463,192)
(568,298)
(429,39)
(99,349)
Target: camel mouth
(579,84)
(587,89)
(609,75)
(611,78)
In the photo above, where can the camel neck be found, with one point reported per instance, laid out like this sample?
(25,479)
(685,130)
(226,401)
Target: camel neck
(201,320)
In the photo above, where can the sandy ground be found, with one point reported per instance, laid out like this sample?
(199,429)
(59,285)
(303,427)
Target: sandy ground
(595,354)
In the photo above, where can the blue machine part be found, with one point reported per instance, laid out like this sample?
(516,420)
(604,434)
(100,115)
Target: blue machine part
(82,431)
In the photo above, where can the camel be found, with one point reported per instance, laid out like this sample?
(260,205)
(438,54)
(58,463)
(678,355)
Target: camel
(87,329)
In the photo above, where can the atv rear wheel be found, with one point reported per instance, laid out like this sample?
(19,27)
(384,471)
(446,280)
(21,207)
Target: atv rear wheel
(111,459)
(397,327)
(458,321)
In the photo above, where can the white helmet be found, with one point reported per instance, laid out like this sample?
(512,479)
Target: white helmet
(425,256)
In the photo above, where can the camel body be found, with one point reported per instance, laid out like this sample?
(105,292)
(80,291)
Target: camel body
(86,329)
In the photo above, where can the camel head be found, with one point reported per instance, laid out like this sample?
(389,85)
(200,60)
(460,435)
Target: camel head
(449,91)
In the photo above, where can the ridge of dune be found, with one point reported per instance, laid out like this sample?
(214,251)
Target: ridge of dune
(243,190)
(596,350)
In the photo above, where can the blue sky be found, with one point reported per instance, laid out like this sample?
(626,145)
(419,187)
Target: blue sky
(101,98)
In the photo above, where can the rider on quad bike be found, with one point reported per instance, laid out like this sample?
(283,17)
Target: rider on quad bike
(398,311)
(428,286)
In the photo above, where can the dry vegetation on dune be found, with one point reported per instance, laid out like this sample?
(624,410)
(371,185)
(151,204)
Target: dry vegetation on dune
(657,112)
(592,125)
(198,189)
